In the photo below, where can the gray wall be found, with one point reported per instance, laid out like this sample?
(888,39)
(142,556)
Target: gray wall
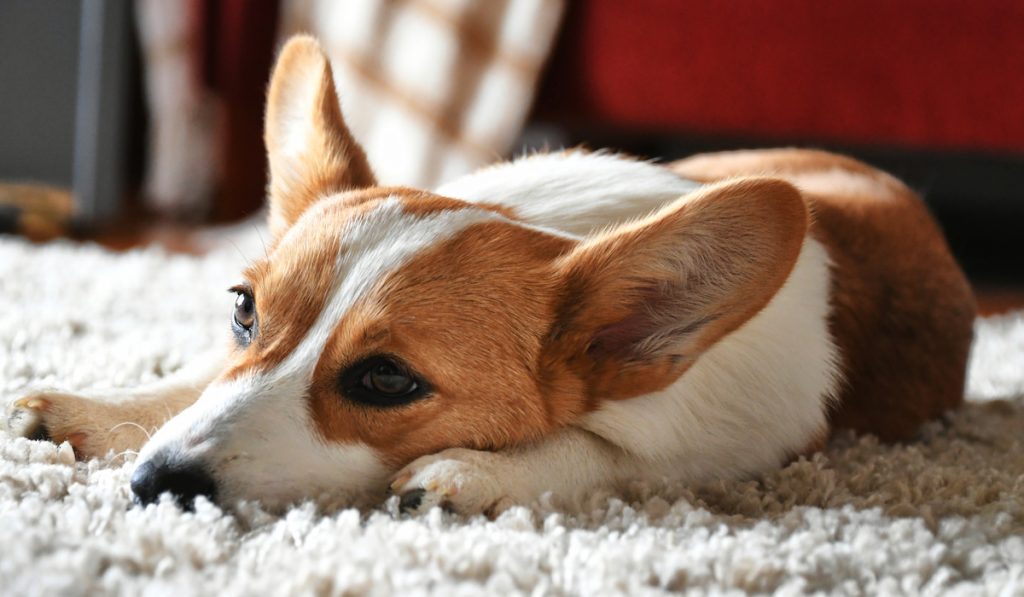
(39,42)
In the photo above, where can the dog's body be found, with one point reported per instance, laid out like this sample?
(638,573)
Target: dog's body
(559,323)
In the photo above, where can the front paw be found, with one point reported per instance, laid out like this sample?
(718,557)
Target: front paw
(465,481)
(59,417)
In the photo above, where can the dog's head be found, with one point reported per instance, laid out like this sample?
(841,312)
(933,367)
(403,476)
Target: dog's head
(385,324)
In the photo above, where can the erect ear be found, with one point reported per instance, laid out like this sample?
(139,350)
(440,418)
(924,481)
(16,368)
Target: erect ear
(311,152)
(643,301)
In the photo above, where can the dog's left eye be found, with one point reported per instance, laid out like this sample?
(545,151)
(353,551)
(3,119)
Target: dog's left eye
(245,310)
(381,381)
(387,379)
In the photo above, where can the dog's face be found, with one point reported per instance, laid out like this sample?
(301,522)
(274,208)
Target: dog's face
(385,324)
(394,325)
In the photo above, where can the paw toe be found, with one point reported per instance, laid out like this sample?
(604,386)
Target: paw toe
(26,419)
(411,500)
(85,424)
(466,486)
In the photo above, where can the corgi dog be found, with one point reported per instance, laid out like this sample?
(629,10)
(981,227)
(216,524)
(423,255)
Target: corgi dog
(560,323)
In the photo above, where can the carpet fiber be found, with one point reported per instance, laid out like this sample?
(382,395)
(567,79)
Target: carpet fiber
(943,513)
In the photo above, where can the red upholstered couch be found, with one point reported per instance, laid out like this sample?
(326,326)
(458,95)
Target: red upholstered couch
(914,74)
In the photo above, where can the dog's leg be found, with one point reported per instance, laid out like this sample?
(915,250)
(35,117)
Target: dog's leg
(116,420)
(569,464)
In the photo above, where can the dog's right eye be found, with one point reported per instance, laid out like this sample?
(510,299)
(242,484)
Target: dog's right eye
(243,321)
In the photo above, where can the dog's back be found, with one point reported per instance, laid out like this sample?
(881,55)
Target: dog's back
(902,311)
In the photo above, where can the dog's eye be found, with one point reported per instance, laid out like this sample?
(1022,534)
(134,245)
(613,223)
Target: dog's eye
(245,310)
(381,381)
(243,321)
(387,379)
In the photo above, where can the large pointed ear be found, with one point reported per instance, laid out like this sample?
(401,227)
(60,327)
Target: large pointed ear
(311,152)
(642,302)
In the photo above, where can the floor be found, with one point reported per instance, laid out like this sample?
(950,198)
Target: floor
(940,515)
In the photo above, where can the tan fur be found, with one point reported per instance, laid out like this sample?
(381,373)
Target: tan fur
(116,420)
(902,309)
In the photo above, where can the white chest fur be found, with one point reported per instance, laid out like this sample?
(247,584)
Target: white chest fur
(755,398)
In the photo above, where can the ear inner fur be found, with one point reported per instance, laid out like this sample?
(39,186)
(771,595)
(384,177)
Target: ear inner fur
(643,301)
(311,152)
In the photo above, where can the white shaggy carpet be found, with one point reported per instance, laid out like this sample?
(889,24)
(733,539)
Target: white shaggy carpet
(943,514)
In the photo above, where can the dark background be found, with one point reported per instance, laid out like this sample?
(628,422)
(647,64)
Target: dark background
(931,91)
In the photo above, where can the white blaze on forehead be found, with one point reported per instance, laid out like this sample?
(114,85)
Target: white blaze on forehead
(372,247)
(261,418)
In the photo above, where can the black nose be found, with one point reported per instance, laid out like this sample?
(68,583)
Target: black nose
(183,480)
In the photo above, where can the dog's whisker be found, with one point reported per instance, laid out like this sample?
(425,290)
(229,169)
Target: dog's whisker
(248,262)
(148,434)
(259,235)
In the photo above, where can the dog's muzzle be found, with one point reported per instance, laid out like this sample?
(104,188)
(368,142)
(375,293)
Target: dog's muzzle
(184,480)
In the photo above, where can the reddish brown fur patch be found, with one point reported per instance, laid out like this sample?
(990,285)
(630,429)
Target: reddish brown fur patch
(902,310)
(470,316)
(292,284)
